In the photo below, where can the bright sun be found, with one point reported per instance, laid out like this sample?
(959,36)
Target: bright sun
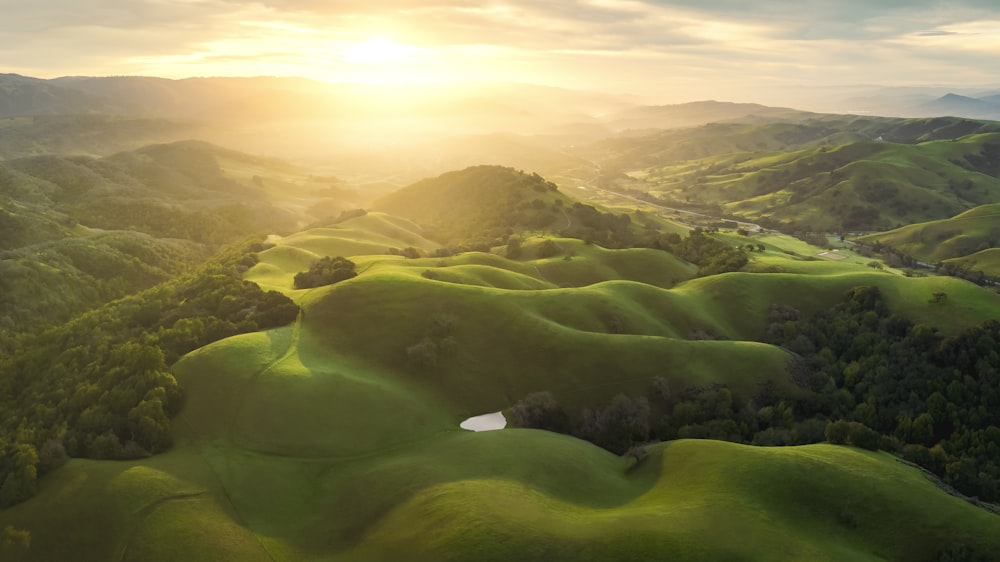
(379,50)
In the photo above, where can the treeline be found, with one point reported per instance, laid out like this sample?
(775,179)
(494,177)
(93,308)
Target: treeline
(712,256)
(661,414)
(863,377)
(99,386)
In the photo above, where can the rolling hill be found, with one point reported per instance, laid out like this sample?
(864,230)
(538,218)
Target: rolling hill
(86,135)
(332,433)
(331,439)
(970,239)
(78,231)
(839,183)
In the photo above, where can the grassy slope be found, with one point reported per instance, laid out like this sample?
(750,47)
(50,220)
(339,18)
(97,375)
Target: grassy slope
(318,441)
(818,187)
(79,231)
(755,503)
(957,238)
(987,261)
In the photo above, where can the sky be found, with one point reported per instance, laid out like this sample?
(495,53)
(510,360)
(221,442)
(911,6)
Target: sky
(670,49)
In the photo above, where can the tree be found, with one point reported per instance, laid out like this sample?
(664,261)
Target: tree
(547,249)
(539,410)
(620,425)
(19,484)
(876,265)
(837,432)
(939,296)
(326,271)
(514,247)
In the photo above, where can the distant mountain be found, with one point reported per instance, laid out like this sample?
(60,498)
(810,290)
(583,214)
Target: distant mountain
(698,113)
(656,148)
(90,135)
(954,104)
(21,95)
(211,99)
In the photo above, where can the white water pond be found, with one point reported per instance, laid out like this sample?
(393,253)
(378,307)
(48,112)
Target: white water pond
(485,422)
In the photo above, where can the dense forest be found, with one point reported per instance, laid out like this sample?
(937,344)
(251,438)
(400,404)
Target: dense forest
(99,386)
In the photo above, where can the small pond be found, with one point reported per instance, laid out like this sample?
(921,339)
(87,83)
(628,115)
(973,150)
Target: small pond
(485,422)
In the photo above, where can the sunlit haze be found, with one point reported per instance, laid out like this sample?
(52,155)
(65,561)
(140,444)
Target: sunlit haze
(663,51)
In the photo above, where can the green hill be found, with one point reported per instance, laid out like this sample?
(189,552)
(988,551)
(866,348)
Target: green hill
(986,261)
(478,201)
(77,231)
(336,438)
(332,412)
(785,132)
(969,239)
(89,134)
(820,175)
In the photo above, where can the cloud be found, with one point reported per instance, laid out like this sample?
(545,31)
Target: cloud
(627,44)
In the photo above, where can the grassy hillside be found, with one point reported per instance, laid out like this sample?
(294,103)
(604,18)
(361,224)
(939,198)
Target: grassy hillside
(77,231)
(970,238)
(478,201)
(784,131)
(831,173)
(769,503)
(987,261)
(336,438)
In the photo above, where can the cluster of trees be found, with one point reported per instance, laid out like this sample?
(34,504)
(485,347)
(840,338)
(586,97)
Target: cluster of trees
(714,412)
(606,229)
(709,254)
(326,271)
(438,340)
(931,398)
(99,387)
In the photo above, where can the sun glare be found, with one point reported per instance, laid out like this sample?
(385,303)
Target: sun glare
(379,50)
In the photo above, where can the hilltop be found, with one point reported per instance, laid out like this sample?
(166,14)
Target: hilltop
(483,206)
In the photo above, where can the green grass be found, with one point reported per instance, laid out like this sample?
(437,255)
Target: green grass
(493,496)
(956,238)
(708,501)
(818,187)
(987,261)
(323,441)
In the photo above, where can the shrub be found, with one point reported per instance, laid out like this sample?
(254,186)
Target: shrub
(326,271)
